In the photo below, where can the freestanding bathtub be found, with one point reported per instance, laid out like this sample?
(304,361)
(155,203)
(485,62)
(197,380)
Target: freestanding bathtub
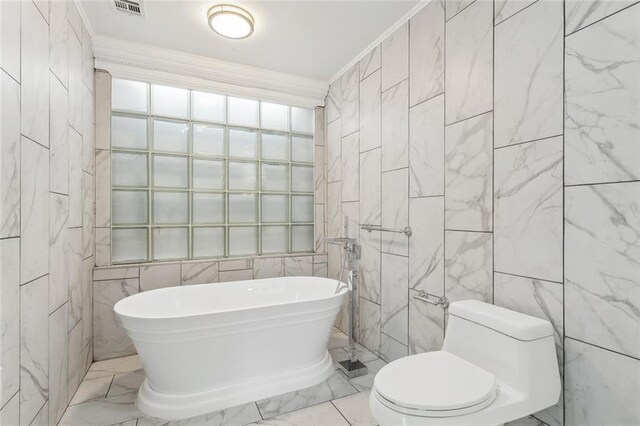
(213,346)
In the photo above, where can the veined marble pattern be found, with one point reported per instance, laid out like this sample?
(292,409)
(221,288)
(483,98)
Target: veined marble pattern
(426,50)
(333,107)
(469,62)
(75,81)
(10,412)
(237,275)
(87,302)
(319,228)
(468,198)
(426,326)
(528,209)
(355,408)
(602,280)
(298,266)
(602,115)
(370,266)
(34,211)
(59,41)
(58,361)
(370,115)
(596,397)
(75,179)
(580,13)
(159,276)
(395,211)
(395,126)
(88,132)
(110,340)
(10,148)
(453,7)
(395,286)
(334,151)
(103,188)
(391,349)
(528,75)
(59,133)
(370,63)
(322,414)
(395,57)
(350,215)
(426,245)
(75,22)
(334,215)
(468,266)
(103,109)
(34,349)
(75,275)
(87,59)
(269,267)
(370,187)
(507,8)
(102,274)
(350,81)
(88,214)
(350,167)
(103,246)
(369,319)
(426,148)
(34,87)
(9,311)
(526,421)
(75,362)
(320,178)
(10,39)
(58,251)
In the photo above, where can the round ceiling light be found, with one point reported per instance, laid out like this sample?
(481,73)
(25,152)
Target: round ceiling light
(230,21)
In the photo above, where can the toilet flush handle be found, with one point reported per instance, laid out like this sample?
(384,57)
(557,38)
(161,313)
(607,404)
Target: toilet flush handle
(432,299)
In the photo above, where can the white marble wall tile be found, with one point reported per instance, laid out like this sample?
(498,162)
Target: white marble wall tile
(34,212)
(469,62)
(426,326)
(369,330)
(541,299)
(103,109)
(87,303)
(10,151)
(528,74)
(334,216)
(391,349)
(103,246)
(75,80)
(320,270)
(298,266)
(426,52)
(235,264)
(75,179)
(88,214)
(74,360)
(59,134)
(75,21)
(395,127)
(103,188)
(333,107)
(504,9)
(370,112)
(88,132)
(10,412)
(350,96)
(59,41)
(469,174)
(334,151)
(101,274)
(528,209)
(370,187)
(320,177)
(350,215)
(34,352)
(426,245)
(602,124)
(426,148)
(58,251)
(43,8)
(594,396)
(350,167)
(42,417)
(9,312)
(370,266)
(268,267)
(602,232)
(87,59)
(75,275)
(238,275)
(159,276)
(395,303)
(395,57)
(370,63)
(58,361)
(34,88)
(468,266)
(198,273)
(581,13)
(395,211)
(10,38)
(453,7)
(110,340)
(319,228)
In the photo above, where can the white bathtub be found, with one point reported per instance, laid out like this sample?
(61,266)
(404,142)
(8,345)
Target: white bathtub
(213,346)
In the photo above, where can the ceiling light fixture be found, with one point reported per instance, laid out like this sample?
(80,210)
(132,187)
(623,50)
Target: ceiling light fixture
(230,21)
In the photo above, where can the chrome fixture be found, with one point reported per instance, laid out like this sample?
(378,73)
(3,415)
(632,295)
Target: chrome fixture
(370,227)
(432,299)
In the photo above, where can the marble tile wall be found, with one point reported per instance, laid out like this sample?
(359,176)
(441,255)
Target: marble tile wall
(47,214)
(510,146)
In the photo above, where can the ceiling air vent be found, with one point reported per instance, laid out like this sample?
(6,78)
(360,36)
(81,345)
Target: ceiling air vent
(129,6)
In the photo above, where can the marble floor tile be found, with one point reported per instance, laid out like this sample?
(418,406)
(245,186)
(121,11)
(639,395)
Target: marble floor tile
(126,382)
(365,383)
(391,349)
(111,367)
(370,62)
(426,148)
(337,339)
(370,104)
(350,86)
(426,245)
(102,412)
(395,287)
(336,386)
(581,13)
(468,266)
(355,408)
(395,57)
(92,388)
(395,126)
(234,416)
(526,421)
(320,415)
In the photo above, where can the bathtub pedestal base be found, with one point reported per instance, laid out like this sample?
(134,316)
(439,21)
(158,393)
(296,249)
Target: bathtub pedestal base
(181,406)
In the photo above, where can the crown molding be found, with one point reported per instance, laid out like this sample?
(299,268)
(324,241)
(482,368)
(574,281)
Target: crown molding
(400,22)
(154,64)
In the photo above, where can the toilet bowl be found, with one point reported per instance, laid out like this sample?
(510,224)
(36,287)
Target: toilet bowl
(495,366)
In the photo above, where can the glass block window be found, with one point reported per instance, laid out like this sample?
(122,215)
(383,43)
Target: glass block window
(200,175)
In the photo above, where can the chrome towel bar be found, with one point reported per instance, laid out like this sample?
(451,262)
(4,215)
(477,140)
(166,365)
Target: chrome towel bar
(432,299)
(370,227)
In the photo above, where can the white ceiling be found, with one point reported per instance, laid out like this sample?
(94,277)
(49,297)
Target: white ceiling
(312,39)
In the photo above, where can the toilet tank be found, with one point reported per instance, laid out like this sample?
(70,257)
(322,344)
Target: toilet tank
(518,349)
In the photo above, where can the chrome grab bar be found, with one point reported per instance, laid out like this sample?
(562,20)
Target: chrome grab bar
(370,227)
(426,297)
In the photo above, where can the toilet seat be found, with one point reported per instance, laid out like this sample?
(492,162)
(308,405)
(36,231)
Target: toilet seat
(434,384)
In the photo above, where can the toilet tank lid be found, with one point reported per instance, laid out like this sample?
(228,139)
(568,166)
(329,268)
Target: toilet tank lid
(513,324)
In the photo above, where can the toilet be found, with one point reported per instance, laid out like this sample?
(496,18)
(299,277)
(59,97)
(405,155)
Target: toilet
(495,366)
